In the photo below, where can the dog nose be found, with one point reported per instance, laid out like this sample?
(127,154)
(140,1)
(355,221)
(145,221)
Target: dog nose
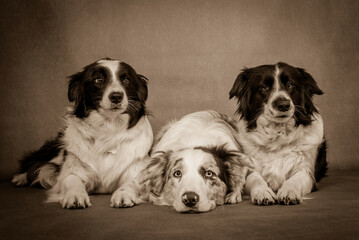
(281,104)
(116,97)
(190,199)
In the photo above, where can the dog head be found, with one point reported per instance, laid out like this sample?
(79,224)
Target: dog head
(109,86)
(193,179)
(277,92)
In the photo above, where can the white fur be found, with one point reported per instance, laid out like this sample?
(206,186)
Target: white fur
(284,156)
(102,154)
(114,86)
(206,128)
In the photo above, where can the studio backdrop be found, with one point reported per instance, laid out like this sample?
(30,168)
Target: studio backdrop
(190,50)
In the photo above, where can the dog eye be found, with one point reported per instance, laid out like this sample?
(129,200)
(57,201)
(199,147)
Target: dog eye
(209,173)
(290,85)
(177,174)
(98,80)
(126,81)
(264,87)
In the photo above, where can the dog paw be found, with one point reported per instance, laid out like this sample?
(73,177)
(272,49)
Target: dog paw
(123,199)
(233,197)
(76,200)
(20,179)
(289,196)
(263,196)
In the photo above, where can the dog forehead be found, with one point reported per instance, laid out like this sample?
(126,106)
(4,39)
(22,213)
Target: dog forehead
(112,65)
(195,159)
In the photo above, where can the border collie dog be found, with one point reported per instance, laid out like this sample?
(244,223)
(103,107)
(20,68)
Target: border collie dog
(102,147)
(281,131)
(196,164)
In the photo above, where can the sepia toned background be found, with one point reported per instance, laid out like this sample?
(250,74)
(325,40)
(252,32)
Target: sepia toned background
(190,50)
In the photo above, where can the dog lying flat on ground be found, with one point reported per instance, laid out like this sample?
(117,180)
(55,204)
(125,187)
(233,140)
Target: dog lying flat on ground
(106,137)
(196,164)
(281,131)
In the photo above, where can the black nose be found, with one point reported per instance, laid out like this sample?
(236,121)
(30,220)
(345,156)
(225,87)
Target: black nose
(116,97)
(190,199)
(281,104)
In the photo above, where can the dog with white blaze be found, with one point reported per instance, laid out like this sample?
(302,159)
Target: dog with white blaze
(196,164)
(281,131)
(104,143)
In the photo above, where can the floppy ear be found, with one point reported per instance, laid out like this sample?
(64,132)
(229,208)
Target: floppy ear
(156,172)
(310,88)
(238,87)
(142,88)
(310,84)
(76,94)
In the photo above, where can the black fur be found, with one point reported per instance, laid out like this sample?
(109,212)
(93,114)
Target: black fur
(321,165)
(221,155)
(87,94)
(252,89)
(253,85)
(36,159)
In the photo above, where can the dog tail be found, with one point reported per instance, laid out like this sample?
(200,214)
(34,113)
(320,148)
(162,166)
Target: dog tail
(41,167)
(321,165)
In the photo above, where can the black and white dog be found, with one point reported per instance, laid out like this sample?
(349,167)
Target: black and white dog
(282,132)
(102,147)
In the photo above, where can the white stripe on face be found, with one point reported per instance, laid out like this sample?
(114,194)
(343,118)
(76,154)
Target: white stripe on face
(276,85)
(114,84)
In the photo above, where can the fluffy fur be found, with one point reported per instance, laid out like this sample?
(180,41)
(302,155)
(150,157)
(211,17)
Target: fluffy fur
(102,147)
(196,164)
(281,131)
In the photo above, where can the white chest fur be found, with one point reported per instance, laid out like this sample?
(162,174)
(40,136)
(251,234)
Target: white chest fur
(278,150)
(107,149)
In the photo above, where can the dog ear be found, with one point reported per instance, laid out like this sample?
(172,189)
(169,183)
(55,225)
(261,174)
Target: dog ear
(238,87)
(76,94)
(142,88)
(156,172)
(310,88)
(310,84)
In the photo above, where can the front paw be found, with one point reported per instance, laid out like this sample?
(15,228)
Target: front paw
(76,200)
(123,198)
(233,197)
(263,196)
(20,179)
(289,196)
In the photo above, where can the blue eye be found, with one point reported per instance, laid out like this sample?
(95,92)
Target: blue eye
(177,174)
(209,173)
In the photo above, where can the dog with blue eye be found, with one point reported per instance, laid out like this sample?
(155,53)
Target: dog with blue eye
(196,164)
(104,143)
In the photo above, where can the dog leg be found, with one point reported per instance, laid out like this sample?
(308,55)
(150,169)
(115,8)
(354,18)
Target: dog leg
(75,195)
(127,195)
(20,179)
(260,193)
(295,187)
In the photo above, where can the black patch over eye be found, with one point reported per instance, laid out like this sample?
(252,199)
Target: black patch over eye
(98,80)
(290,85)
(264,87)
(177,174)
(125,79)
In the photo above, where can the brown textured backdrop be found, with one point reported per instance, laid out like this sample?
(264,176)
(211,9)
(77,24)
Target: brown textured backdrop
(190,50)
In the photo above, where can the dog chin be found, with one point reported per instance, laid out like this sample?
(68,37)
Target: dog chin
(204,207)
(279,118)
